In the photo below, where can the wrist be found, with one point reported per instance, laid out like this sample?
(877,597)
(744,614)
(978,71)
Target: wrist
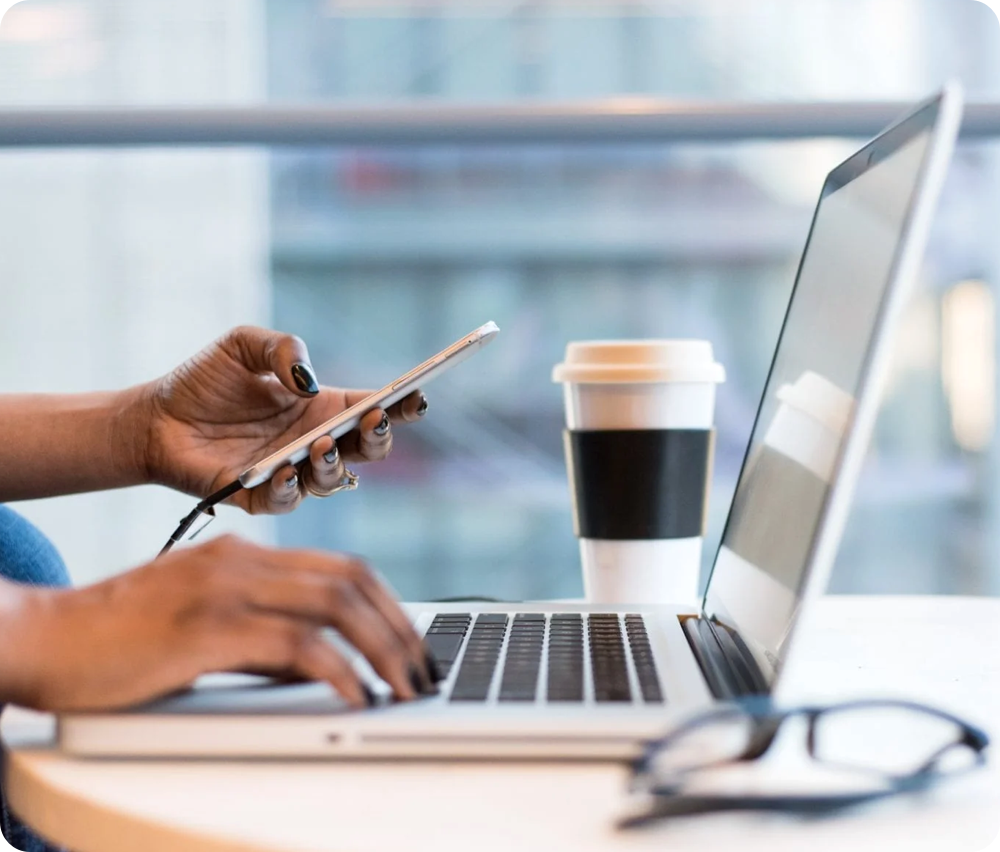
(19,613)
(131,434)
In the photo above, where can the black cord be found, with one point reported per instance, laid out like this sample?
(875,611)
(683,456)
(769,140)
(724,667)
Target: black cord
(205,507)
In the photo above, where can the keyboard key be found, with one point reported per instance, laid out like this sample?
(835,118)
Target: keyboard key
(642,656)
(444,646)
(608,664)
(470,692)
(565,658)
(523,660)
(444,638)
(451,621)
(479,661)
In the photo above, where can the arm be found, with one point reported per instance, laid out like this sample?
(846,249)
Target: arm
(225,605)
(195,429)
(65,444)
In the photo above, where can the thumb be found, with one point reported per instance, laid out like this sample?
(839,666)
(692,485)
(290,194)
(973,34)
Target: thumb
(284,355)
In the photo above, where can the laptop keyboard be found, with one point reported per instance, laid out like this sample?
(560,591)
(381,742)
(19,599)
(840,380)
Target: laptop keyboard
(564,657)
(480,660)
(523,660)
(565,678)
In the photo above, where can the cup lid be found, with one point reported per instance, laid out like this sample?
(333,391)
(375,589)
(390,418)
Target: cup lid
(639,361)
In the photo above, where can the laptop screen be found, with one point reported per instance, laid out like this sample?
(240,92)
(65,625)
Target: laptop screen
(808,403)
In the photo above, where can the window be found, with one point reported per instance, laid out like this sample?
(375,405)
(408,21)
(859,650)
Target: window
(116,264)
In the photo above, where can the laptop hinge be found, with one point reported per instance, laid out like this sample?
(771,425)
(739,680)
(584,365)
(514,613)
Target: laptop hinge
(725,661)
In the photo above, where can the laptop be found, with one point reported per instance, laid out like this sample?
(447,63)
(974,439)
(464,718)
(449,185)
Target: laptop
(543,680)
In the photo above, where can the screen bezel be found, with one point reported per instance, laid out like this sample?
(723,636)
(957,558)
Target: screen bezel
(940,116)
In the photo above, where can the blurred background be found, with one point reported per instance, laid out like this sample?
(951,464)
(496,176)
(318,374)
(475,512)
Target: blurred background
(117,263)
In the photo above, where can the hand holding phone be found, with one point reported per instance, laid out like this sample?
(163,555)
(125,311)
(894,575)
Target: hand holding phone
(392,393)
(298,450)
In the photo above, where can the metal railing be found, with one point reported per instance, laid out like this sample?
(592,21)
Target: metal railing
(612,121)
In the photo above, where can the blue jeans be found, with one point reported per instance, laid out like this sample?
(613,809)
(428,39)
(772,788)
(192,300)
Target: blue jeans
(26,556)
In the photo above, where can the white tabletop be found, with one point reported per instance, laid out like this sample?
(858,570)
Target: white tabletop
(942,650)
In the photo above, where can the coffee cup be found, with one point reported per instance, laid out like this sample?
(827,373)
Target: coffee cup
(639,445)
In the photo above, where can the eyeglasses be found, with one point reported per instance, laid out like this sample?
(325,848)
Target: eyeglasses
(886,747)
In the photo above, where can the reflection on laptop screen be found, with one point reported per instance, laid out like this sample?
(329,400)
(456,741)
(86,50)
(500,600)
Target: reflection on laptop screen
(808,402)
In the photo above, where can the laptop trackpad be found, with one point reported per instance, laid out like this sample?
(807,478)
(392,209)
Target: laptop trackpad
(249,694)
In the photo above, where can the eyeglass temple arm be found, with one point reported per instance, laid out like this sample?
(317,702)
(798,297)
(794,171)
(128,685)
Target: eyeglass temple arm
(929,764)
(666,807)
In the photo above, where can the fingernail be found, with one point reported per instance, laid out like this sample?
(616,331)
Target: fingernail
(422,408)
(370,698)
(332,456)
(383,425)
(432,667)
(420,685)
(305,378)
(292,481)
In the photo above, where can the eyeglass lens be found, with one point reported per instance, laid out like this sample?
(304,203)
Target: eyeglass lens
(888,739)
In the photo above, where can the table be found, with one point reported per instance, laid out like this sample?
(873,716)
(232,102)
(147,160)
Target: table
(942,650)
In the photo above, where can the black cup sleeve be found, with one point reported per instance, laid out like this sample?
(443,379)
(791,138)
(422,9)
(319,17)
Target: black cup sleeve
(639,484)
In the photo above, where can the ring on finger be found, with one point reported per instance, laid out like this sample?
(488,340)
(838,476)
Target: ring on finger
(347,482)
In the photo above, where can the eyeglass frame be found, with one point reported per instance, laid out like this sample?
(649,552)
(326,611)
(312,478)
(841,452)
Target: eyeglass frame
(767,721)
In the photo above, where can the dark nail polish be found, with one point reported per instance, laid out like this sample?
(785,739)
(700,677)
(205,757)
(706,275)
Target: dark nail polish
(332,456)
(305,378)
(292,481)
(422,407)
(370,698)
(419,682)
(383,425)
(432,667)
(415,681)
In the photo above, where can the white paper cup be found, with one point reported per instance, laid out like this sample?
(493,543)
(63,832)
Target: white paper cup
(639,446)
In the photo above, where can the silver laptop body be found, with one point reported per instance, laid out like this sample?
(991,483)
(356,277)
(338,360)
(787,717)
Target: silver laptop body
(580,681)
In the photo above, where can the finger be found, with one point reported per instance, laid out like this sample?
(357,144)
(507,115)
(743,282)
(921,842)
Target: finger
(332,600)
(383,601)
(265,351)
(279,495)
(361,625)
(325,469)
(280,675)
(333,590)
(321,661)
(371,441)
(389,610)
(276,643)
(410,408)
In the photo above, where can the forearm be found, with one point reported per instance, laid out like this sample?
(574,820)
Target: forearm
(66,444)
(16,654)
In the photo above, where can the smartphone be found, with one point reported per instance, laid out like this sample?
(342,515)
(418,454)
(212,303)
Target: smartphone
(392,393)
